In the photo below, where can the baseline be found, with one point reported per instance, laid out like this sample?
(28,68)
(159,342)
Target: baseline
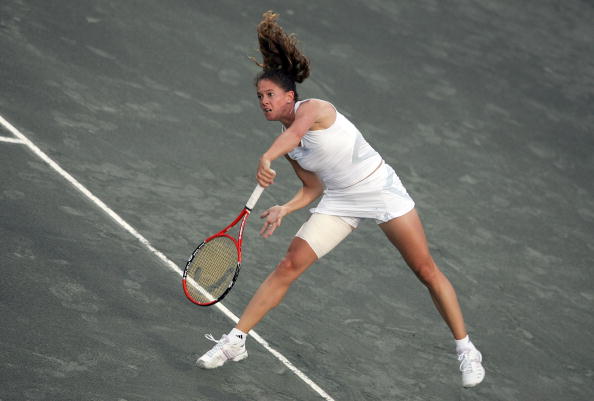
(9,139)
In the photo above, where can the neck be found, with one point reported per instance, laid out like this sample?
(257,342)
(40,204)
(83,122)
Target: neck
(288,117)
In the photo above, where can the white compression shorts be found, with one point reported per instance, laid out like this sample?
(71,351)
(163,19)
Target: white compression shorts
(323,232)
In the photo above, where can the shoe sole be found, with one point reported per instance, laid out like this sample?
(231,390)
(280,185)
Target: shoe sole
(200,363)
(476,383)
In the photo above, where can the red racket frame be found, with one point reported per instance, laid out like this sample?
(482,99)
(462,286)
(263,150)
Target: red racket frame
(245,213)
(237,241)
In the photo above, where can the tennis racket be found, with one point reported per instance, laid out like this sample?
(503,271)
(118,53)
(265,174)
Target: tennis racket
(213,267)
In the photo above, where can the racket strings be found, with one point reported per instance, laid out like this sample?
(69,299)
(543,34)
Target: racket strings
(212,269)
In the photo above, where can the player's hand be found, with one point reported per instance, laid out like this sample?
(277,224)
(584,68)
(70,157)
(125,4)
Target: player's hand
(265,175)
(274,217)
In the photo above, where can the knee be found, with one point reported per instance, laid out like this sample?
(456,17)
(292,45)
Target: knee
(426,270)
(288,269)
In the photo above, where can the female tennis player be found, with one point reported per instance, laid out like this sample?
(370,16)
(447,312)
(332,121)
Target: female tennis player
(331,158)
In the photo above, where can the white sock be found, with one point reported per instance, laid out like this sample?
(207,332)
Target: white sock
(464,345)
(236,333)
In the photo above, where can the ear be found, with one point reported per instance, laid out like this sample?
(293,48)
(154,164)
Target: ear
(290,96)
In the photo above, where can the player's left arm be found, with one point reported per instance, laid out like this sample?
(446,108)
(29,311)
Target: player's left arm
(311,189)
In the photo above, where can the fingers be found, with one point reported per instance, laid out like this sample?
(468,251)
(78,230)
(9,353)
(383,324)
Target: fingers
(270,225)
(263,182)
(265,175)
(274,217)
(268,228)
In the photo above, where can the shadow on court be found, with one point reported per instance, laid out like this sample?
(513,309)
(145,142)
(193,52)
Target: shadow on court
(484,109)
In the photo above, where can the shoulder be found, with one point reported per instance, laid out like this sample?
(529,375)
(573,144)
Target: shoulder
(313,105)
(320,113)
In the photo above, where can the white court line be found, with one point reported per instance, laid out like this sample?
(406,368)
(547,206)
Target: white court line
(10,139)
(169,263)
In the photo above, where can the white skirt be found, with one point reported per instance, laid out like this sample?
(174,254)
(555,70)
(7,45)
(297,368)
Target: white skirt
(381,196)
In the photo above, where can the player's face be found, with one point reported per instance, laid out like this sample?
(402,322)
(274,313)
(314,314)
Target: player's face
(275,102)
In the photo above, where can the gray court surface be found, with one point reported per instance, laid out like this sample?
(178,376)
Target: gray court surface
(484,108)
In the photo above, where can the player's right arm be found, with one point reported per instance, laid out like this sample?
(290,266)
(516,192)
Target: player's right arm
(313,114)
(310,190)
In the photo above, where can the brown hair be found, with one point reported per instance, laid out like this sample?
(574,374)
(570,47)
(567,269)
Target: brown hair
(283,63)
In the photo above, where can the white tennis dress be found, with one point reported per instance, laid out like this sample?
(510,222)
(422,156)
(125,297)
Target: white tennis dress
(358,183)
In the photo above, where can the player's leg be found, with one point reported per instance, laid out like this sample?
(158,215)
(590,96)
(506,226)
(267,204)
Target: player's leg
(318,236)
(232,346)
(299,257)
(407,235)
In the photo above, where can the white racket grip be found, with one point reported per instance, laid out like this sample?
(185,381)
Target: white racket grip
(255,196)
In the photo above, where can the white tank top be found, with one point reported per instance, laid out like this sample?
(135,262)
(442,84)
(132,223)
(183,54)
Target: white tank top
(339,154)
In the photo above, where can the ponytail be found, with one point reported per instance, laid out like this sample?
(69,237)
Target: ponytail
(283,63)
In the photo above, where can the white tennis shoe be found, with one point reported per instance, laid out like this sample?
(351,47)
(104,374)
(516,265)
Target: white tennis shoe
(227,348)
(471,367)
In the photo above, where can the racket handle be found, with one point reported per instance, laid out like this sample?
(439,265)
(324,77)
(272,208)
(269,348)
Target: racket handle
(255,196)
